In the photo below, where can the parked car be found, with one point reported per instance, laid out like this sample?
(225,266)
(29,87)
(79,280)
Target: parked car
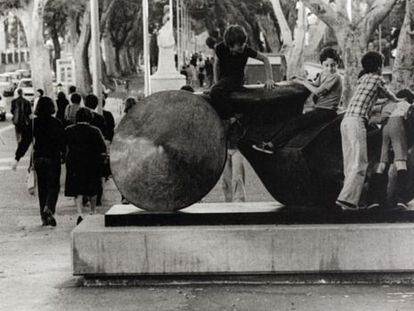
(2,109)
(6,84)
(24,73)
(27,87)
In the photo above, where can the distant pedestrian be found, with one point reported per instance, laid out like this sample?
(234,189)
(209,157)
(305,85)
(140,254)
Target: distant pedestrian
(21,111)
(86,149)
(72,89)
(233,179)
(48,152)
(61,103)
(72,109)
(91,102)
(39,93)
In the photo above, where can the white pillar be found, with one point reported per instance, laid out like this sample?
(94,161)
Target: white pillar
(147,69)
(178,37)
(96,53)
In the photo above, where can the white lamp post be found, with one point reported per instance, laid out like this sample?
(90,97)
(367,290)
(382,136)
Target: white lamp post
(96,54)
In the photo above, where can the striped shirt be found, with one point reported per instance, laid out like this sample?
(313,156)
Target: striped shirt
(365,95)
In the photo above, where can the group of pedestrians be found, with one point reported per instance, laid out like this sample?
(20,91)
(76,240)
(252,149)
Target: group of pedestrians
(199,71)
(64,132)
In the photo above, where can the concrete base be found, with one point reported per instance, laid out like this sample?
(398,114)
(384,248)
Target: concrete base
(163,82)
(250,249)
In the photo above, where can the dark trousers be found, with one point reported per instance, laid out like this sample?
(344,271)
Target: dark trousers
(304,121)
(220,96)
(48,183)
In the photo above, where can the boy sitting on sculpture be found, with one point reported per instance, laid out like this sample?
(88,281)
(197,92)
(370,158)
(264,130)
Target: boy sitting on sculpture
(231,58)
(327,88)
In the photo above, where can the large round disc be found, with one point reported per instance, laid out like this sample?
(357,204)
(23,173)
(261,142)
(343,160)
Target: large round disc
(168,152)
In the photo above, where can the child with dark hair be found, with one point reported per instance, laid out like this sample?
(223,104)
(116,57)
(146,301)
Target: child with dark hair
(394,135)
(353,130)
(327,88)
(231,58)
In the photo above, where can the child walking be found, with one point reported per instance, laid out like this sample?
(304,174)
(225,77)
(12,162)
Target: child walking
(231,58)
(353,131)
(394,135)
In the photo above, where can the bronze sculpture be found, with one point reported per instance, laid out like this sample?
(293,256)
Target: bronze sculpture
(170,153)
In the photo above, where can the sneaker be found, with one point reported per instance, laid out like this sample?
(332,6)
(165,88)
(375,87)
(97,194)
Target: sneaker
(401,206)
(51,220)
(263,147)
(79,220)
(373,206)
(346,206)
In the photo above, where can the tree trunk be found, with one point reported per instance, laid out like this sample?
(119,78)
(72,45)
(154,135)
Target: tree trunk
(269,30)
(32,20)
(111,69)
(124,61)
(285,31)
(295,56)
(72,36)
(353,46)
(117,62)
(83,75)
(56,45)
(403,70)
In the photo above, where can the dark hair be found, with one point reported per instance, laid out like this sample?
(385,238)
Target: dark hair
(371,61)
(407,94)
(234,34)
(61,96)
(75,98)
(83,115)
(91,101)
(40,91)
(188,88)
(45,107)
(72,89)
(129,103)
(19,91)
(329,53)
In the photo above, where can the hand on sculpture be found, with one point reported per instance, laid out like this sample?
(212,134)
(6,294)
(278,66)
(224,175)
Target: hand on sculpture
(269,84)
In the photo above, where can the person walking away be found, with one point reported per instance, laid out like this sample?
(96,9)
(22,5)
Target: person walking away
(393,116)
(327,88)
(39,93)
(49,148)
(61,104)
(86,147)
(72,109)
(230,60)
(353,129)
(233,178)
(21,111)
(91,102)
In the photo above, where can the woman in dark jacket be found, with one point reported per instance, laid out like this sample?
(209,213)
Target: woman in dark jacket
(48,151)
(84,161)
(61,103)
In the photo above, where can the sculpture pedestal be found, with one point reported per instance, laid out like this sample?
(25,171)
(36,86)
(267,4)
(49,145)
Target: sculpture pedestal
(169,81)
(99,251)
